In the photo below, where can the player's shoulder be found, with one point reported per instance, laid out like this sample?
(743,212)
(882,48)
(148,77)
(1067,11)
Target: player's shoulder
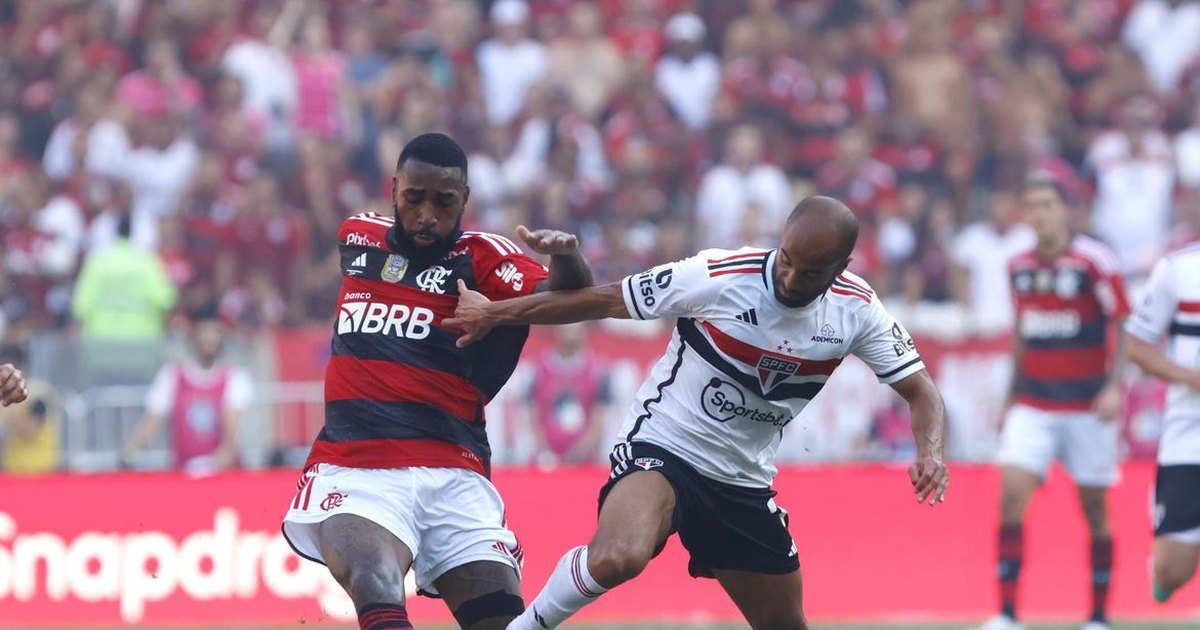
(1024,258)
(487,244)
(1095,253)
(366,229)
(734,264)
(850,290)
(1188,254)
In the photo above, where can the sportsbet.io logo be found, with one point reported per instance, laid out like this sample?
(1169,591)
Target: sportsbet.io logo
(377,318)
(723,401)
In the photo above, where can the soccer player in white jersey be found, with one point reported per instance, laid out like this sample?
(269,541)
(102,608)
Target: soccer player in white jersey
(758,334)
(1171,309)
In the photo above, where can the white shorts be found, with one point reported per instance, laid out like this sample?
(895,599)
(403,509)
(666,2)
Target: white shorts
(1033,438)
(447,517)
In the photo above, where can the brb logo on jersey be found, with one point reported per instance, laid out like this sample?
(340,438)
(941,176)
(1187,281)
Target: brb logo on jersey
(375,317)
(773,370)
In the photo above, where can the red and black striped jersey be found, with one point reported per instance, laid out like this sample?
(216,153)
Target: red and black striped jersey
(1064,308)
(398,392)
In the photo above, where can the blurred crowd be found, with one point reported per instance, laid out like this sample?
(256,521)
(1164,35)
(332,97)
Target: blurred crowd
(228,139)
(159,157)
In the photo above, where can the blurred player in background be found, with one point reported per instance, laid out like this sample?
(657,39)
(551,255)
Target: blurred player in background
(568,401)
(1065,393)
(398,477)
(203,399)
(1171,309)
(759,332)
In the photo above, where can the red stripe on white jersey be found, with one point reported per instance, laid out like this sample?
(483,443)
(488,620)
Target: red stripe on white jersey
(858,285)
(759,254)
(847,293)
(1189,307)
(750,354)
(723,272)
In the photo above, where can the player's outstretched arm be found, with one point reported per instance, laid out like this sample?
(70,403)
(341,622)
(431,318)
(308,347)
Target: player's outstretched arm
(476,314)
(12,385)
(1151,359)
(928,474)
(568,269)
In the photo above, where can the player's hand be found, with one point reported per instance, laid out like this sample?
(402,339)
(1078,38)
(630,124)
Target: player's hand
(470,316)
(1107,405)
(929,479)
(12,385)
(549,242)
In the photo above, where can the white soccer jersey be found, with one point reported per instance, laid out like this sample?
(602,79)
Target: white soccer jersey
(1171,307)
(740,365)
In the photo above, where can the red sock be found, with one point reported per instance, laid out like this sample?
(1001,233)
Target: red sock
(1012,553)
(1102,560)
(383,617)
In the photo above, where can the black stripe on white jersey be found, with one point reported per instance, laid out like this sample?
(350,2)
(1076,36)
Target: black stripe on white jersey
(657,399)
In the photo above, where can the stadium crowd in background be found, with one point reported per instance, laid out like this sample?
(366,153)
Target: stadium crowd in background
(230,138)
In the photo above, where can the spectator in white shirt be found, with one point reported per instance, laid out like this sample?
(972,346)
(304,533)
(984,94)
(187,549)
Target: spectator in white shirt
(510,63)
(743,200)
(1187,152)
(102,151)
(688,76)
(158,172)
(1135,178)
(267,76)
(1165,34)
(980,258)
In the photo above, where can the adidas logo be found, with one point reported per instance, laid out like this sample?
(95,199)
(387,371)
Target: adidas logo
(750,317)
(361,261)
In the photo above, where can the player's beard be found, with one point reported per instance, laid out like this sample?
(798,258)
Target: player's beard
(423,256)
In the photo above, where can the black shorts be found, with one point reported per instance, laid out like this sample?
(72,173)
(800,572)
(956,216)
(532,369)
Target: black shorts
(722,526)
(1176,499)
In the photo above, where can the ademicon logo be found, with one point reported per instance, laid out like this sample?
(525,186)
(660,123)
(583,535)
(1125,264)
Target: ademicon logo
(137,569)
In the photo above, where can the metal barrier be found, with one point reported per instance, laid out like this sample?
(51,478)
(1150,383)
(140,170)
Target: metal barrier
(276,430)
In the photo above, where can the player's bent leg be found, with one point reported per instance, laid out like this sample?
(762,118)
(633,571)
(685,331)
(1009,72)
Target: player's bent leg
(1174,565)
(482,595)
(635,521)
(1017,485)
(768,602)
(369,562)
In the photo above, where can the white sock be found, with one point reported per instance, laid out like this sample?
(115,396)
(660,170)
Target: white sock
(569,588)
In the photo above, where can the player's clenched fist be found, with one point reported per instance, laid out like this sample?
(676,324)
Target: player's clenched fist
(929,479)
(12,385)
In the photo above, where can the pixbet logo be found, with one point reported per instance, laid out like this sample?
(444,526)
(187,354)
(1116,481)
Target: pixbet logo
(376,317)
(354,238)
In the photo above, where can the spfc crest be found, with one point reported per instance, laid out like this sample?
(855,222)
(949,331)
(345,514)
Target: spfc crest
(394,269)
(773,370)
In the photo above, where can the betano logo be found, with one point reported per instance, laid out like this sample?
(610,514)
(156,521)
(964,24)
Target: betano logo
(135,570)
(376,317)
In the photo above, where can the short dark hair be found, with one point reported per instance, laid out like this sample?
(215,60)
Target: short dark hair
(437,149)
(1043,179)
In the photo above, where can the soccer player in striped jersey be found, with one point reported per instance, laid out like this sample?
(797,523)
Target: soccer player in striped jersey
(758,334)
(1065,392)
(1171,310)
(12,385)
(399,476)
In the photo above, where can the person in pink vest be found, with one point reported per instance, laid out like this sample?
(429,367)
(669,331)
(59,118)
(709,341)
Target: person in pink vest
(201,398)
(568,400)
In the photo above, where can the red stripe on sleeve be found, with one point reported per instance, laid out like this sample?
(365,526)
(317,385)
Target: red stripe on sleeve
(1189,307)
(714,261)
